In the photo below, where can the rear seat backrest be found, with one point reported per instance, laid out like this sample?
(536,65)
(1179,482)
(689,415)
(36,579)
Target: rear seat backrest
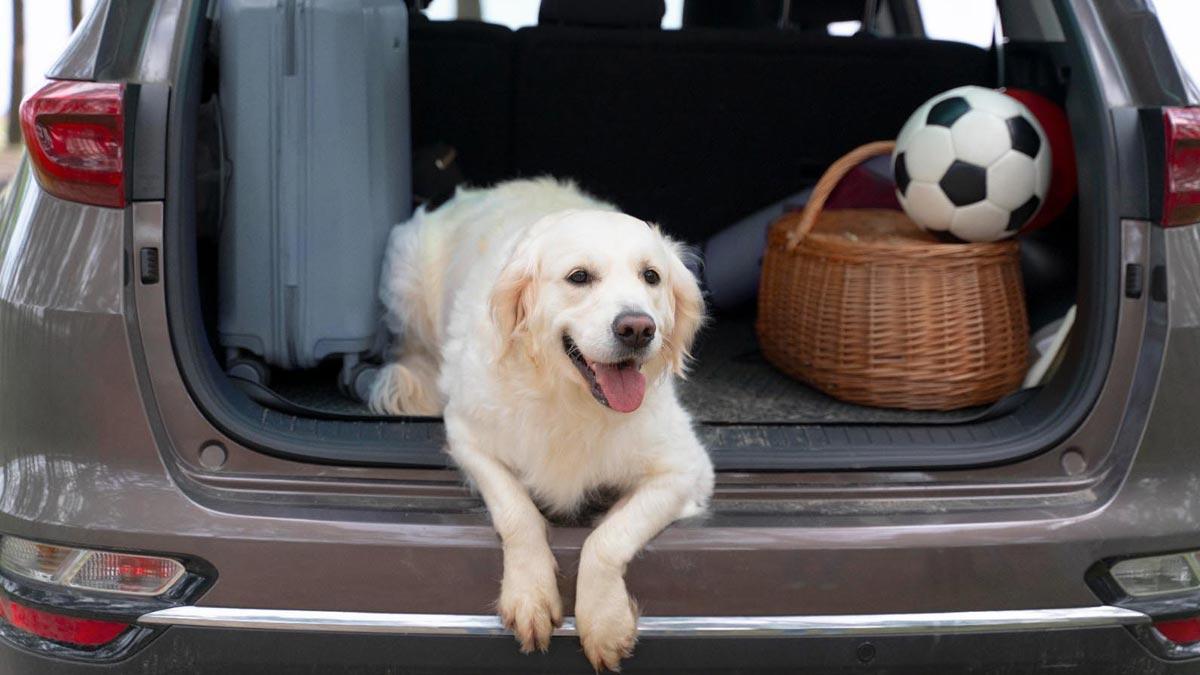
(697,128)
(461,76)
(692,128)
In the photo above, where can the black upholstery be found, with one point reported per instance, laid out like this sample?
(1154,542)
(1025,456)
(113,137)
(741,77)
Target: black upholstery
(695,129)
(725,14)
(802,14)
(691,128)
(461,87)
(605,13)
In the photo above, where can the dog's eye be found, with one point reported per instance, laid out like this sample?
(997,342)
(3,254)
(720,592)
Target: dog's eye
(579,277)
(651,277)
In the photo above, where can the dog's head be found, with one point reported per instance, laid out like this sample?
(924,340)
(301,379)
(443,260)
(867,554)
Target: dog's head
(601,299)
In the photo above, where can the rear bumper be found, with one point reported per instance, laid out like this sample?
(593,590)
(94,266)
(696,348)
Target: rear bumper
(202,650)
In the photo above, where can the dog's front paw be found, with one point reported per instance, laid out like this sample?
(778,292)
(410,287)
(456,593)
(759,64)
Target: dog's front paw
(606,618)
(529,604)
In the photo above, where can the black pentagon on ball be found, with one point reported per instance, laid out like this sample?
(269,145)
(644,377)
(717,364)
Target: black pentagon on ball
(901,174)
(1023,213)
(946,113)
(964,183)
(1024,137)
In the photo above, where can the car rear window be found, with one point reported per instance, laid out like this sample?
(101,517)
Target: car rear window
(969,21)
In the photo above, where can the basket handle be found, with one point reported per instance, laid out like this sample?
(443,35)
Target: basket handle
(829,180)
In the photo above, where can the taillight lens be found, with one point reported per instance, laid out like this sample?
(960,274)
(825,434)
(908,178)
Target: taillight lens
(1157,575)
(121,573)
(75,134)
(1180,631)
(1165,588)
(40,562)
(1181,185)
(85,604)
(71,630)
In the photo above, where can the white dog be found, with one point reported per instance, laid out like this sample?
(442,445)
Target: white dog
(548,328)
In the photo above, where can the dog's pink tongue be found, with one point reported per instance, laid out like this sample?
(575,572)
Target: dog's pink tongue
(623,387)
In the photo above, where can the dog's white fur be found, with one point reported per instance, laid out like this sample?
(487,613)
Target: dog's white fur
(477,293)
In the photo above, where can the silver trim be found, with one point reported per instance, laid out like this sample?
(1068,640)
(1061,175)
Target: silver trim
(940,623)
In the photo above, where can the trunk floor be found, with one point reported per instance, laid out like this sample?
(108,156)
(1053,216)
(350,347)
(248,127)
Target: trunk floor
(730,383)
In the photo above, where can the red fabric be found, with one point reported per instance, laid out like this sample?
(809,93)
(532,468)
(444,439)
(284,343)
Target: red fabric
(862,188)
(1063,178)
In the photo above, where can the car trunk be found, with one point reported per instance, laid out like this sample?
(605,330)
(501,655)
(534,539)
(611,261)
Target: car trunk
(694,129)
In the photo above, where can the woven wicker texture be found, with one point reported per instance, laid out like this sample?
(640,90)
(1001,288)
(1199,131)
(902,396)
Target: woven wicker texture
(867,307)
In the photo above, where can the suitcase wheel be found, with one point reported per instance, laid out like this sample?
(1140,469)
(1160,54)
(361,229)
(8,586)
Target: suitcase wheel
(355,381)
(248,368)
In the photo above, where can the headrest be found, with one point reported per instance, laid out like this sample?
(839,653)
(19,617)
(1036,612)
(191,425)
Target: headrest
(808,14)
(603,13)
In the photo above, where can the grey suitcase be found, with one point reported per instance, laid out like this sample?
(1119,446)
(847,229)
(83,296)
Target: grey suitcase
(314,99)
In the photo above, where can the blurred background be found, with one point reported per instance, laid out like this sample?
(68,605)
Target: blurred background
(47,24)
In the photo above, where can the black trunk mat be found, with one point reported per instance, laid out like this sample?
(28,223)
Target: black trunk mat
(730,382)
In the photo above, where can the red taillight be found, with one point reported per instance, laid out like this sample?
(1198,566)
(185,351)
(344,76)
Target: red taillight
(60,627)
(1181,185)
(75,133)
(1181,631)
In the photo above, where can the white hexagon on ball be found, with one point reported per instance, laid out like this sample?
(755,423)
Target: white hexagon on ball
(1041,164)
(983,221)
(928,205)
(1012,180)
(980,138)
(930,153)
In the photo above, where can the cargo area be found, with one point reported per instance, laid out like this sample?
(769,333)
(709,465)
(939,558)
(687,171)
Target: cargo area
(695,129)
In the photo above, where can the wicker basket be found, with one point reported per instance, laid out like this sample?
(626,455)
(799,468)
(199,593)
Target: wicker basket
(867,307)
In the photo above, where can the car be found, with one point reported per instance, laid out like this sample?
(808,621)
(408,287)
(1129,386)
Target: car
(155,517)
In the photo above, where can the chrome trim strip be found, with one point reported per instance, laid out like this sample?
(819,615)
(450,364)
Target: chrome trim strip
(940,623)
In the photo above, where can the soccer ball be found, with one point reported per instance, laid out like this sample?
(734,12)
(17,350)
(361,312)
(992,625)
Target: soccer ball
(972,162)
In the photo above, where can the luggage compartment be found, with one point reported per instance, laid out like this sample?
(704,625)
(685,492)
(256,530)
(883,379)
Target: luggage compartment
(698,128)
(314,101)
(695,129)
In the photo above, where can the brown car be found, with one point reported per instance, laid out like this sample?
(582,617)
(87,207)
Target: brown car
(158,515)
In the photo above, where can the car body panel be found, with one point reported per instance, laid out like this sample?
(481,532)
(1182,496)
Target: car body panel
(128,40)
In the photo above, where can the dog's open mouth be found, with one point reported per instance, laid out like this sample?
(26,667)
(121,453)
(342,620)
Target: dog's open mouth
(620,386)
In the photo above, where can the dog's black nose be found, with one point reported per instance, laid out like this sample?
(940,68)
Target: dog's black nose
(634,329)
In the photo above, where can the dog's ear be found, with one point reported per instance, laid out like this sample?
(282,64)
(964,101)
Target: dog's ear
(687,306)
(513,298)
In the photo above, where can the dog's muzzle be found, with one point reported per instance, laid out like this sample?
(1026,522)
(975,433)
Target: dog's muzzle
(620,386)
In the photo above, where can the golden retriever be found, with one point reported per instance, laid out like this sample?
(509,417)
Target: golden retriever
(548,328)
